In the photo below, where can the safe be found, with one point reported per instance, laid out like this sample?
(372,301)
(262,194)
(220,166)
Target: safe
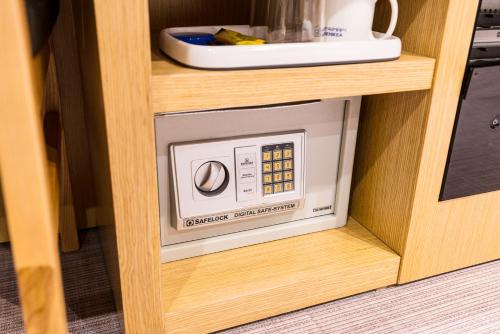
(233,178)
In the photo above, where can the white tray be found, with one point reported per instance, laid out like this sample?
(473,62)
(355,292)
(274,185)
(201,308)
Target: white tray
(274,55)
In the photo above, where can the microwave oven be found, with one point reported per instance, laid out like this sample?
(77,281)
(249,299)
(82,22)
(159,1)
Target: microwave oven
(233,178)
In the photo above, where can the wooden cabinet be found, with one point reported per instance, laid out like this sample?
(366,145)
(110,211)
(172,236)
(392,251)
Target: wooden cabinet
(402,154)
(405,132)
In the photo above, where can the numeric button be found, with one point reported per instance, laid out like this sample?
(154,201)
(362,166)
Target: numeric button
(277,154)
(268,189)
(289,186)
(278,177)
(267,167)
(267,156)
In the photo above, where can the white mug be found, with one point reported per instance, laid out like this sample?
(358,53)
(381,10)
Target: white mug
(352,20)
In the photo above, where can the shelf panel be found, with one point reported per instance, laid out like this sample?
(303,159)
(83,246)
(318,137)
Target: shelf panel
(226,289)
(179,88)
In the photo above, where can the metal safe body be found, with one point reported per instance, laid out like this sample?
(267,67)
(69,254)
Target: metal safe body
(317,138)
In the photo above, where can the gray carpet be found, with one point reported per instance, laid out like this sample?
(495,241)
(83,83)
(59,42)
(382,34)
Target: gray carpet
(90,305)
(465,301)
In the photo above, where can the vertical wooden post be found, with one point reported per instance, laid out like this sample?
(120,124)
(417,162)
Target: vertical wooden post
(114,44)
(4,235)
(72,111)
(68,228)
(23,168)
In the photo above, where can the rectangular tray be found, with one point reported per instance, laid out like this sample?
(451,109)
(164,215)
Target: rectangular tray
(274,55)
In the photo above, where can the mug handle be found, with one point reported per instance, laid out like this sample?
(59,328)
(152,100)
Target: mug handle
(394,19)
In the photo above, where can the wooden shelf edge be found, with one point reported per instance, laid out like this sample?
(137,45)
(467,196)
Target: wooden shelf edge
(179,88)
(222,290)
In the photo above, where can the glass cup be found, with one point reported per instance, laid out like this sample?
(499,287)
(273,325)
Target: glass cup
(285,21)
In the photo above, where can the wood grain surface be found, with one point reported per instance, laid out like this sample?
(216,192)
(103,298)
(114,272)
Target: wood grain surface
(444,236)
(25,178)
(392,128)
(114,44)
(216,291)
(71,109)
(385,168)
(178,88)
(401,160)
(186,13)
(102,214)
(36,290)
(4,234)
(402,151)
(68,229)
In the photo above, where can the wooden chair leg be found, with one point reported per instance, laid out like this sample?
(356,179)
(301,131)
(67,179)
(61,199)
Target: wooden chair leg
(68,229)
(25,177)
(4,235)
(72,112)
(58,164)
(60,184)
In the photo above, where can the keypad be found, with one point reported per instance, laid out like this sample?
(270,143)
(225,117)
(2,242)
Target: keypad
(277,168)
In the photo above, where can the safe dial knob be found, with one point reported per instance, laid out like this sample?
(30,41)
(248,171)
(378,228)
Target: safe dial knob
(211,178)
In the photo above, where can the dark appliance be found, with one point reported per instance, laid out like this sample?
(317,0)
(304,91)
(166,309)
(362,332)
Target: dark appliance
(473,165)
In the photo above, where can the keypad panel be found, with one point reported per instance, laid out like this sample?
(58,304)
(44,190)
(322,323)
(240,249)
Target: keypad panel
(278,169)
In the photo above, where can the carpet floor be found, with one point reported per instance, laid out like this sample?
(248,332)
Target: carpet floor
(464,301)
(89,300)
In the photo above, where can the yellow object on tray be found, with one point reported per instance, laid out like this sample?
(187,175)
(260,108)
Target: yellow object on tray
(231,37)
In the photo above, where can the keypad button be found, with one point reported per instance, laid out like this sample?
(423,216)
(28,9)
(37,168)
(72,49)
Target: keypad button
(288,164)
(268,189)
(278,188)
(277,154)
(277,166)
(267,178)
(289,186)
(267,167)
(288,175)
(277,177)
(267,156)
(288,153)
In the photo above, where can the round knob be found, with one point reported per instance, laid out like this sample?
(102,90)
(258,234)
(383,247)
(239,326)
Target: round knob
(211,178)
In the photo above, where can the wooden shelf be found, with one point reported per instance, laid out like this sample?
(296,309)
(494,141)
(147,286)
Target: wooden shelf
(222,290)
(179,88)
